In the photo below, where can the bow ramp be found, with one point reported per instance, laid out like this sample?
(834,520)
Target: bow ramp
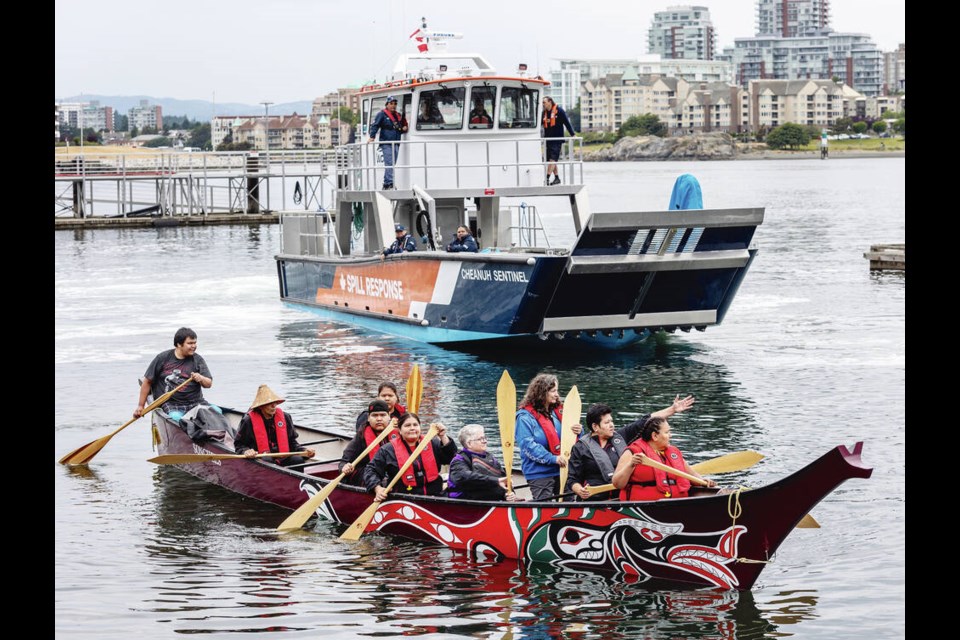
(653,270)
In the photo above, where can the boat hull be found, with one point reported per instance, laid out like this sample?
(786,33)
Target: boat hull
(696,540)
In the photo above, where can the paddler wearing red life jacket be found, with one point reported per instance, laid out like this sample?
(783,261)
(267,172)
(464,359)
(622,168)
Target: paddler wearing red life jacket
(387,391)
(594,458)
(377,419)
(638,481)
(265,428)
(537,434)
(422,477)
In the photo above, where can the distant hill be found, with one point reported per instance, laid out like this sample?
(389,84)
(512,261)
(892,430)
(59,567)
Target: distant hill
(201,110)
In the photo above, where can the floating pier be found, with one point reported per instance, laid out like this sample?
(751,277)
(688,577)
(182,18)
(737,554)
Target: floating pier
(887,257)
(167,188)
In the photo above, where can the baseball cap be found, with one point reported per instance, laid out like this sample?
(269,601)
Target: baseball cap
(391,99)
(378,406)
(399,227)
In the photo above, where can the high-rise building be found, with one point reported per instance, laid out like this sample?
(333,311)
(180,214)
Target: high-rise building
(895,70)
(684,32)
(794,41)
(145,115)
(792,18)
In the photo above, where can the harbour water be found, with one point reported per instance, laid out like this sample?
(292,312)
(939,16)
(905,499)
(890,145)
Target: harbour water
(810,355)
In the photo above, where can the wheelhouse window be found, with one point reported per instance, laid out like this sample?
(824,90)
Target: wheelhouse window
(365,118)
(519,108)
(482,100)
(441,109)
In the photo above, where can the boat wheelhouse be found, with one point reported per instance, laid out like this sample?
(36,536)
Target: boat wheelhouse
(474,156)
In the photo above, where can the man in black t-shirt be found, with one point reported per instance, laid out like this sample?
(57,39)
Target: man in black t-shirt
(169,369)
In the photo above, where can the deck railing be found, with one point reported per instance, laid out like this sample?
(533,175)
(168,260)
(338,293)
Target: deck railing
(95,183)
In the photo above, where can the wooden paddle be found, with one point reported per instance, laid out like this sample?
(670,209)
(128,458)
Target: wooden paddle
(650,462)
(414,390)
(297,519)
(82,455)
(736,461)
(600,488)
(360,524)
(721,464)
(571,416)
(184,458)
(808,521)
(507,415)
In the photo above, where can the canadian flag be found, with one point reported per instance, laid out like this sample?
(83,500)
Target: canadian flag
(421,41)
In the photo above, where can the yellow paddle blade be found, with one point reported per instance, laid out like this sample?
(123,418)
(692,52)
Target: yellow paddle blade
(83,454)
(360,524)
(571,416)
(303,513)
(506,414)
(414,390)
(808,522)
(299,517)
(730,462)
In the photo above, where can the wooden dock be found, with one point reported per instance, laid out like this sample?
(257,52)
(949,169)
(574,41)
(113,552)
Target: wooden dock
(887,257)
(250,219)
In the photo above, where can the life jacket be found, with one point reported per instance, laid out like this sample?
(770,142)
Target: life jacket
(430,469)
(550,117)
(369,435)
(549,429)
(487,463)
(648,483)
(260,432)
(600,455)
(480,118)
(396,118)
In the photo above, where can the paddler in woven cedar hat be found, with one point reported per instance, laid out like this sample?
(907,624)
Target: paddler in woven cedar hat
(266,428)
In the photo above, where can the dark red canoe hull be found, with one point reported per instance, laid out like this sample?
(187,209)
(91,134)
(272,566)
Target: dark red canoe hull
(715,540)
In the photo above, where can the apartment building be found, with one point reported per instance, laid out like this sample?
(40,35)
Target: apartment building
(88,114)
(682,32)
(145,115)
(895,70)
(792,18)
(681,105)
(567,81)
(771,103)
(283,132)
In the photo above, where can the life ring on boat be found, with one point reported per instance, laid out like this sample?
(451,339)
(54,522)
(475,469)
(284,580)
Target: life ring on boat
(423,215)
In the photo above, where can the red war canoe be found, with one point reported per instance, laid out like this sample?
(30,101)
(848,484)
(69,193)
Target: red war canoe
(712,538)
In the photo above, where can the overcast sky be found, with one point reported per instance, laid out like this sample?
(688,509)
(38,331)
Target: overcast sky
(289,50)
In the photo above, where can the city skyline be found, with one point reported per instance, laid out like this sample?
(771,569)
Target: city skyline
(300,49)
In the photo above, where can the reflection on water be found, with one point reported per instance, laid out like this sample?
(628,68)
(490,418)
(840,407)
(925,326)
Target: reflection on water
(217,565)
(320,373)
(152,552)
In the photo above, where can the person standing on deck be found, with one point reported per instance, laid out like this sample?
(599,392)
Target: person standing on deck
(391,125)
(554,120)
(169,369)
(265,428)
